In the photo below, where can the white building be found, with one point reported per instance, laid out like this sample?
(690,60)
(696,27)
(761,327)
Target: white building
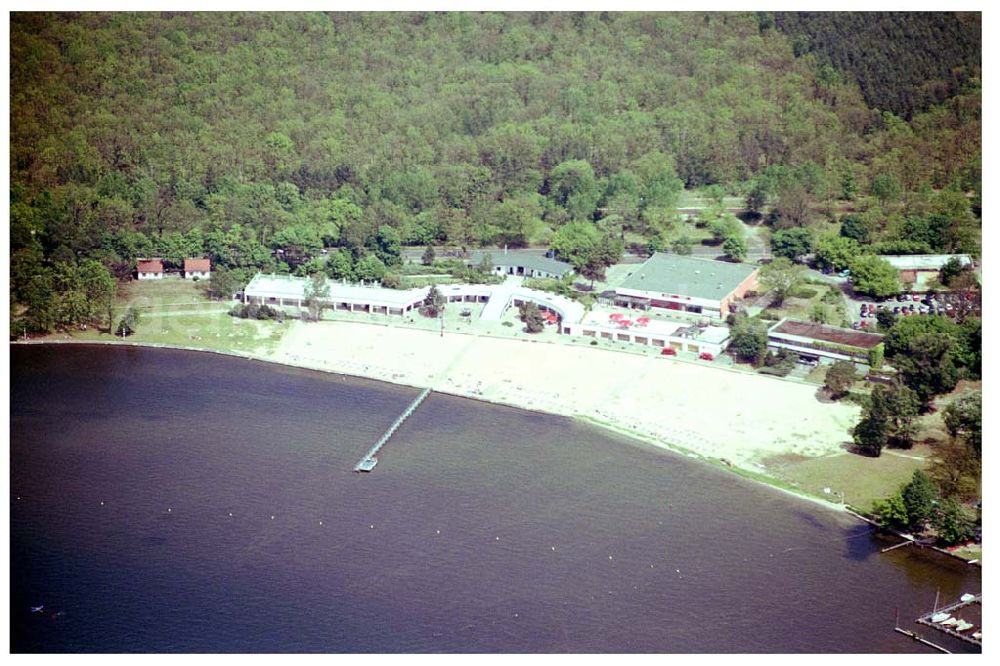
(653,333)
(150,269)
(289,291)
(197,268)
(919,269)
(526,264)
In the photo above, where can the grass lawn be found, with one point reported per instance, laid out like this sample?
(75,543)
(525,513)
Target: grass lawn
(177,312)
(413,282)
(697,199)
(861,479)
(801,308)
(208,330)
(165,292)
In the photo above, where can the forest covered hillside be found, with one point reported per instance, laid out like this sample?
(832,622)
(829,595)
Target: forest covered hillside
(904,62)
(233,135)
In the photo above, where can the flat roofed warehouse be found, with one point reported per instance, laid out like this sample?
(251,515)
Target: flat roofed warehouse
(687,284)
(821,341)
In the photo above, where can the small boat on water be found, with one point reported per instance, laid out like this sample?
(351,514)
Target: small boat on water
(963,626)
(978,635)
(967,597)
(940,617)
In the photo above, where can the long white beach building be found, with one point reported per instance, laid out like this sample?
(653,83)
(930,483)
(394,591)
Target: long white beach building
(289,291)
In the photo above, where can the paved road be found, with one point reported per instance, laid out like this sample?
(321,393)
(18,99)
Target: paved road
(756,252)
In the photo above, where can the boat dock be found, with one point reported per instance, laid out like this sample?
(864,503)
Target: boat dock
(368,462)
(957,606)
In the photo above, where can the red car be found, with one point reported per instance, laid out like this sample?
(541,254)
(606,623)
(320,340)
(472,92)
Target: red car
(669,351)
(705,356)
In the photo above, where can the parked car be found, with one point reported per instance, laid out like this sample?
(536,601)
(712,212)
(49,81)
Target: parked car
(668,351)
(705,356)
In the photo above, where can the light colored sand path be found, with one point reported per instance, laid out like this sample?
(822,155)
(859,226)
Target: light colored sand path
(711,411)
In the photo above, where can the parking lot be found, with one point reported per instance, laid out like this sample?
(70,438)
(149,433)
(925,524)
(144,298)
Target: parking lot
(864,311)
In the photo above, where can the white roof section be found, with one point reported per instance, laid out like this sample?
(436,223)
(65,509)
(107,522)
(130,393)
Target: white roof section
(924,262)
(500,296)
(288,286)
(715,335)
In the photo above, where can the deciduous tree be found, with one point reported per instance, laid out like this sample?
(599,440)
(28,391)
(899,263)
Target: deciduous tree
(840,378)
(780,278)
(317,294)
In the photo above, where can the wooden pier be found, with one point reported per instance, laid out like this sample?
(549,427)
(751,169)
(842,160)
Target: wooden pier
(368,462)
(958,605)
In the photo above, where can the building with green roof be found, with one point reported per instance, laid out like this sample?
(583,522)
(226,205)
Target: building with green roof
(526,264)
(687,284)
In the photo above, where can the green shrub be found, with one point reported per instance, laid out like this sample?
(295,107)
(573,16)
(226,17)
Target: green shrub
(804,292)
(832,296)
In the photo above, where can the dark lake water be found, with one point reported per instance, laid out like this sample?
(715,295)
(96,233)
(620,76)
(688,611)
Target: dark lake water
(166,501)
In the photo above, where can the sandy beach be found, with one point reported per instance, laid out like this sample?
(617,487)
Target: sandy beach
(709,411)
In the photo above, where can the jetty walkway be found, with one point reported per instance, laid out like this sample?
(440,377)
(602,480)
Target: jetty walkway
(368,462)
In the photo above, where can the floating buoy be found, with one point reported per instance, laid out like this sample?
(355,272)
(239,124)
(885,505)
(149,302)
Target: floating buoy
(439,531)
(321,522)
(102,503)
(371,526)
(272,517)
(230,514)
(169,510)
(498,538)
(553,548)
(610,557)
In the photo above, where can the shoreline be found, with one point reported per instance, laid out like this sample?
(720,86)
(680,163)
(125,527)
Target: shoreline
(634,433)
(745,471)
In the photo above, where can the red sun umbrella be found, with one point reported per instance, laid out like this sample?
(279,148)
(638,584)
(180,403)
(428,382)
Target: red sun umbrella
(642,321)
(615,316)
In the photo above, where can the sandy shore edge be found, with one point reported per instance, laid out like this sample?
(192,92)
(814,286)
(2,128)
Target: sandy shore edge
(739,466)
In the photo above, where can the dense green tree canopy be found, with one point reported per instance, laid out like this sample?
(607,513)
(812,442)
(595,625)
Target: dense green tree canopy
(259,139)
(874,276)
